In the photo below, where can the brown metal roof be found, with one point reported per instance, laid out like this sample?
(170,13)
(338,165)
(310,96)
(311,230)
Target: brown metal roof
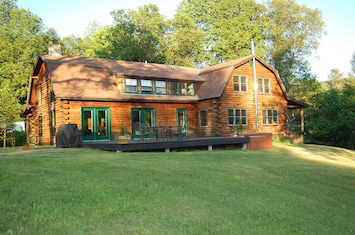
(128,68)
(68,75)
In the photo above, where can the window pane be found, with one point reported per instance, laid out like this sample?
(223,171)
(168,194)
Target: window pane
(190,89)
(160,83)
(131,85)
(203,118)
(131,82)
(174,88)
(146,86)
(146,83)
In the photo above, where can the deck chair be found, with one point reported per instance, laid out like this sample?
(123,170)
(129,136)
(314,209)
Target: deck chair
(141,129)
(176,132)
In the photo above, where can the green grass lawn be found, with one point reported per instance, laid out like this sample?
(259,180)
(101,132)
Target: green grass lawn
(290,189)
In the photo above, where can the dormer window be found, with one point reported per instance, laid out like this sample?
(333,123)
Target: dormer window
(146,86)
(182,88)
(131,85)
(160,87)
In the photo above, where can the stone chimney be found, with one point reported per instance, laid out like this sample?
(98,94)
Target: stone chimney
(54,50)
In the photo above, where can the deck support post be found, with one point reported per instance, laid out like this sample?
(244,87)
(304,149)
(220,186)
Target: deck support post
(210,147)
(244,146)
(167,150)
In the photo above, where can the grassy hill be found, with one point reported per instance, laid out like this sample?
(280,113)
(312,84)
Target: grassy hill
(290,189)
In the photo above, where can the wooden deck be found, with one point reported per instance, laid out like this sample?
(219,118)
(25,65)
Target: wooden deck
(151,145)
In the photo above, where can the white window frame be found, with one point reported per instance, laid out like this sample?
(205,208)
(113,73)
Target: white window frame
(270,117)
(264,85)
(238,83)
(236,118)
(146,86)
(131,85)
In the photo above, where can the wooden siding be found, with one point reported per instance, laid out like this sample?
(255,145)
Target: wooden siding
(231,99)
(69,111)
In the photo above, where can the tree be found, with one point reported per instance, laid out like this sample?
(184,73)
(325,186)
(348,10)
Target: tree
(352,62)
(331,119)
(73,46)
(227,27)
(134,36)
(22,35)
(9,111)
(305,88)
(293,33)
(336,79)
(184,41)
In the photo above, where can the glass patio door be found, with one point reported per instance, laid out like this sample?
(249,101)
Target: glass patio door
(142,116)
(181,120)
(95,123)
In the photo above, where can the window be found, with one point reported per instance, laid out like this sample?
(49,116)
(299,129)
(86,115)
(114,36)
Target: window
(190,89)
(52,96)
(53,122)
(146,86)
(240,83)
(270,117)
(40,125)
(264,85)
(237,115)
(160,87)
(182,88)
(203,118)
(39,94)
(131,85)
(175,88)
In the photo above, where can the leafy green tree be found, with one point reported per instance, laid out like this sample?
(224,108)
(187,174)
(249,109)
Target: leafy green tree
(22,35)
(184,41)
(134,36)
(73,46)
(9,111)
(331,119)
(227,27)
(86,45)
(293,33)
(336,79)
(352,62)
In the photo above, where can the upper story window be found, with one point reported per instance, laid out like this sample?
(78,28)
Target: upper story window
(270,117)
(182,88)
(264,85)
(146,86)
(160,87)
(240,83)
(131,85)
(236,115)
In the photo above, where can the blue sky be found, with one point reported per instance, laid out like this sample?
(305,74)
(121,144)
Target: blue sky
(72,17)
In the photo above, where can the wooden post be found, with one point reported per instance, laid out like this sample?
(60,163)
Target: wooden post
(302,119)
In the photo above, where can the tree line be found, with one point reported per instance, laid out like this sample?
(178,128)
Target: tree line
(201,33)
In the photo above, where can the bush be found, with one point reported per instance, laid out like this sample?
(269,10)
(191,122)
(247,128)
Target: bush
(19,136)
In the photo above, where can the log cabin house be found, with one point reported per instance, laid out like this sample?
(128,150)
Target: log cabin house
(100,95)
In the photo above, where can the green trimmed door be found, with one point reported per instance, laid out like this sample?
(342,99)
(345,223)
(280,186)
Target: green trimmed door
(181,120)
(96,123)
(142,116)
